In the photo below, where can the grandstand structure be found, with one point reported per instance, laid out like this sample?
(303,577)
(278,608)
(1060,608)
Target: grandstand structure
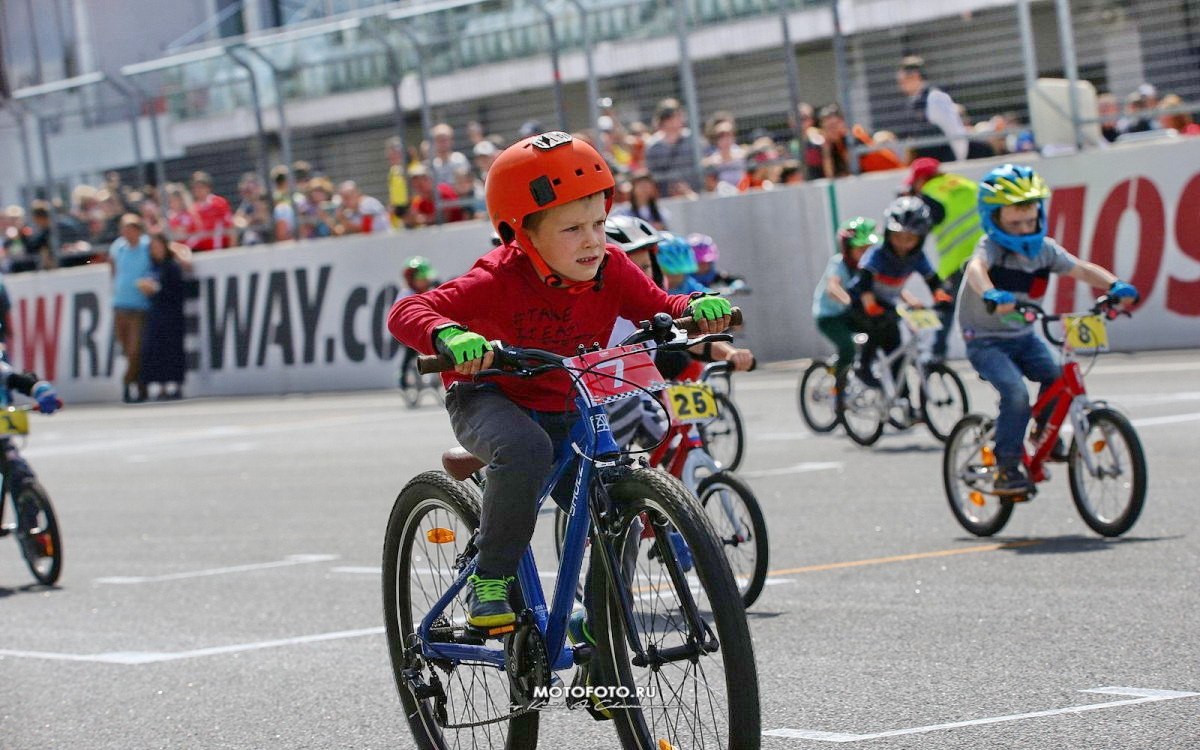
(157,89)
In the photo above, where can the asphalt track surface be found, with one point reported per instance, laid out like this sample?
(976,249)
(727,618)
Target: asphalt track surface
(221,586)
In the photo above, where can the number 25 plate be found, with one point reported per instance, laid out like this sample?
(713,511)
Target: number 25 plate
(1086,332)
(691,402)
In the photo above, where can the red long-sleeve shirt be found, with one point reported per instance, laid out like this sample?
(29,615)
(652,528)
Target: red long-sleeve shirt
(503,298)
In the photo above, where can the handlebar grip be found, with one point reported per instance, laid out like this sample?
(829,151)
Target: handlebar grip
(428,364)
(689,324)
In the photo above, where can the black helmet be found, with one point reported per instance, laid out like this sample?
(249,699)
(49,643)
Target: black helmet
(631,233)
(908,214)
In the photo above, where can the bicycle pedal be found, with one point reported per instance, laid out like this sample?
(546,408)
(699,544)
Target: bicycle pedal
(485,633)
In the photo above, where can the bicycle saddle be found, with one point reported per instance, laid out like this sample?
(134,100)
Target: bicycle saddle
(460,463)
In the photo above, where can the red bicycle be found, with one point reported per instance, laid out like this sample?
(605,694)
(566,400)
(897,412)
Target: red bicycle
(1106,464)
(727,500)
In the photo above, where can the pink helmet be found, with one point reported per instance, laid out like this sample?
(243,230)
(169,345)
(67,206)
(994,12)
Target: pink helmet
(704,248)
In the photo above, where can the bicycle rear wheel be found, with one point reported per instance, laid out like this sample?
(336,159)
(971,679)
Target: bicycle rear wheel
(943,400)
(818,396)
(1110,499)
(37,533)
(968,470)
(724,437)
(692,696)
(737,518)
(417,570)
(862,408)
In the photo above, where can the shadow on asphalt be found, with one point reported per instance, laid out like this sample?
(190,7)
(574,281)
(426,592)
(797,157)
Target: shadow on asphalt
(32,588)
(1069,544)
(914,448)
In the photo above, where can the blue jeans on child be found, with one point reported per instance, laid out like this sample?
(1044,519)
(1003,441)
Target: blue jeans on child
(1005,363)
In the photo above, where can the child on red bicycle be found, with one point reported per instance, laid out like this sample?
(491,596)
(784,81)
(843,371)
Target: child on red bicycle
(879,285)
(553,284)
(1012,264)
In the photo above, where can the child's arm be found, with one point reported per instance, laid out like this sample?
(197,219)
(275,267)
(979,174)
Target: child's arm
(836,290)
(1093,274)
(39,390)
(976,274)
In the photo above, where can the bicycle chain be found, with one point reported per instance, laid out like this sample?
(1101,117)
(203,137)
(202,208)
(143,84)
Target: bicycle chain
(472,724)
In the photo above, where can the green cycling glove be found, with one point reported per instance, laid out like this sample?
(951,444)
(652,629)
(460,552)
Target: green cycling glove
(461,345)
(710,307)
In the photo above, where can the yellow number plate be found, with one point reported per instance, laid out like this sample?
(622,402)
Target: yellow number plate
(920,320)
(691,403)
(1086,332)
(14,421)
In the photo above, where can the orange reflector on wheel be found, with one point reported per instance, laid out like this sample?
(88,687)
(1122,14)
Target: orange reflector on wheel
(664,745)
(988,455)
(977,499)
(1099,445)
(440,536)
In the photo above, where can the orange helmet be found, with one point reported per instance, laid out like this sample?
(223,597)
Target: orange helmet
(537,173)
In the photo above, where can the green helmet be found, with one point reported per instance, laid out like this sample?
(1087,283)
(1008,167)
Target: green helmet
(418,268)
(858,232)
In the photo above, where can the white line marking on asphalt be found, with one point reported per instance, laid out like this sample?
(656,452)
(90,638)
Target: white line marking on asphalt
(794,469)
(154,657)
(783,436)
(287,561)
(367,570)
(1142,696)
(1169,419)
(1148,367)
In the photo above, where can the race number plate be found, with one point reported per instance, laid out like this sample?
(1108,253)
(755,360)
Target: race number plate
(920,319)
(14,421)
(691,402)
(1086,332)
(616,373)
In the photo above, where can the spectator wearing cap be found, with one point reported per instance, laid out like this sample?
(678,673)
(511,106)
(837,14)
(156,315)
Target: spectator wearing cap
(445,160)
(669,154)
(214,218)
(953,206)
(931,113)
(423,210)
(129,257)
(483,154)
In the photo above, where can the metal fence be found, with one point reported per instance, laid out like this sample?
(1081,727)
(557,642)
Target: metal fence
(739,70)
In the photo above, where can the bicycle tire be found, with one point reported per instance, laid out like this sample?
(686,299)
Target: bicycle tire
(749,568)
(38,533)
(952,386)
(968,477)
(859,401)
(725,436)
(818,384)
(456,508)
(1104,517)
(736,722)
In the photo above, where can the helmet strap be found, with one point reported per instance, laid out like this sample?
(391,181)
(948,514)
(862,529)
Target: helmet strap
(553,279)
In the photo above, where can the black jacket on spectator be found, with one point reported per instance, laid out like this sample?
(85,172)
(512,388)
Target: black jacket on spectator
(163,359)
(919,127)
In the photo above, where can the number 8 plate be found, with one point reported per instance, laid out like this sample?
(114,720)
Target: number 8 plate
(691,402)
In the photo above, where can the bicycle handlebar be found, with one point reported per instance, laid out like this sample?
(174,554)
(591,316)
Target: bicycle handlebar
(1104,305)
(518,357)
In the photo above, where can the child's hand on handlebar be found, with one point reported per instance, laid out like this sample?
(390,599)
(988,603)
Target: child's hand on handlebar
(469,351)
(711,313)
(741,359)
(999,302)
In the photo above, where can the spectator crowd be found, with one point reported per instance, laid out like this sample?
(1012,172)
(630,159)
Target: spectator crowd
(436,183)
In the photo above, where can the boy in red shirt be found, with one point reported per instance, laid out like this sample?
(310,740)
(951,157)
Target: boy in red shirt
(554,283)
(214,218)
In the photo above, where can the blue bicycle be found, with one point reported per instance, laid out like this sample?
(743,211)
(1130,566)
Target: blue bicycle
(673,665)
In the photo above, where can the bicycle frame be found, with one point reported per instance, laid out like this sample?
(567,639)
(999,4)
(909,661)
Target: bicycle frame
(907,354)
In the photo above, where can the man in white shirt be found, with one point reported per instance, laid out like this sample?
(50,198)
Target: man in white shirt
(932,113)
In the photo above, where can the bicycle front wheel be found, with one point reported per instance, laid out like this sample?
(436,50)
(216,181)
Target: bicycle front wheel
(818,397)
(735,515)
(1111,494)
(724,437)
(695,682)
(943,400)
(37,533)
(968,470)
(863,408)
(430,525)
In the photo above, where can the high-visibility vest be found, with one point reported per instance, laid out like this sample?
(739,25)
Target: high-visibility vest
(959,230)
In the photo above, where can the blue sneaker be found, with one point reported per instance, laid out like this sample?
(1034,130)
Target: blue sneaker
(487,602)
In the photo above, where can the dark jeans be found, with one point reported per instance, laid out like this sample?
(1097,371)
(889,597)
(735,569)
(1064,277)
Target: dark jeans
(883,332)
(1005,363)
(520,446)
